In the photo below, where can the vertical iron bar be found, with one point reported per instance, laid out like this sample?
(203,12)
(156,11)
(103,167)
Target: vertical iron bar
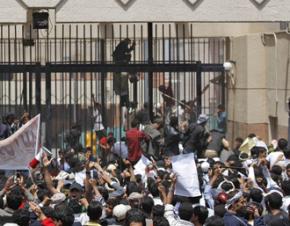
(150,74)
(135,84)
(103,76)
(24,88)
(38,89)
(63,122)
(16,74)
(198,88)
(70,78)
(30,74)
(2,83)
(9,74)
(58,144)
(84,76)
(48,107)
(184,56)
(2,45)
(91,86)
(76,78)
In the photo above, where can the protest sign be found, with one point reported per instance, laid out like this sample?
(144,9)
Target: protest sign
(187,183)
(17,150)
(140,166)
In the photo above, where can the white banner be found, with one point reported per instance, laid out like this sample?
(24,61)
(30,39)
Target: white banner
(187,183)
(19,149)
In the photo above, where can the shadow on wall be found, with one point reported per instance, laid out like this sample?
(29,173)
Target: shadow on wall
(193,4)
(260,4)
(125,4)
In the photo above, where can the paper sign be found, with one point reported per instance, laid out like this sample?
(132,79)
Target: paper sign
(187,183)
(140,166)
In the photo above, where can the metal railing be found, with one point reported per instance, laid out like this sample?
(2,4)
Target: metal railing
(55,72)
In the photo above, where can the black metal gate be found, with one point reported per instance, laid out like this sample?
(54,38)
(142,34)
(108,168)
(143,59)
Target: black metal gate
(56,72)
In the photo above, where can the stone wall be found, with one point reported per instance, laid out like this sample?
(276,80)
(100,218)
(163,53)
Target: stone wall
(151,10)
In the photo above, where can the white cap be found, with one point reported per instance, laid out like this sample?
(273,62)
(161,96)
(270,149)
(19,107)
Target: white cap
(120,211)
(205,166)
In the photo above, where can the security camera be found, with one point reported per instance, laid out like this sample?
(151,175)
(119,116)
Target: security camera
(228,66)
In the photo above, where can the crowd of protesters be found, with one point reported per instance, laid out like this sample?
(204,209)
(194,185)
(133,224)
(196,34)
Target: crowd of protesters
(246,184)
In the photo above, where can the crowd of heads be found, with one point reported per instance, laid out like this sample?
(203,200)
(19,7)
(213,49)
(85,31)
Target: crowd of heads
(246,183)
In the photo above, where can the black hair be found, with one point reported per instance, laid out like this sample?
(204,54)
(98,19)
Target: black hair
(259,206)
(286,187)
(158,211)
(48,212)
(1,203)
(220,210)
(94,210)
(185,211)
(273,201)
(226,186)
(21,217)
(214,221)
(255,152)
(160,221)
(64,214)
(287,153)
(14,200)
(173,121)
(135,215)
(221,107)
(261,150)
(276,170)
(239,139)
(201,212)
(111,140)
(282,144)
(131,187)
(234,178)
(104,192)
(153,189)
(112,202)
(243,212)
(147,205)
(252,135)
(134,123)
(41,193)
(75,206)
(256,195)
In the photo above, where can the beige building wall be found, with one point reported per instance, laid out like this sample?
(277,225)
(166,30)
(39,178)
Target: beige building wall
(258,98)
(151,10)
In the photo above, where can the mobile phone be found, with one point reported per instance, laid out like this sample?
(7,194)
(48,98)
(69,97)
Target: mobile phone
(15,179)
(94,175)
(16,176)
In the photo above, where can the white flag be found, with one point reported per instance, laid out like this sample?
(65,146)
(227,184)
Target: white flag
(17,150)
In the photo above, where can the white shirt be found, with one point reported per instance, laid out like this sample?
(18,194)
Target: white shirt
(98,120)
(173,219)
(286,203)
(120,149)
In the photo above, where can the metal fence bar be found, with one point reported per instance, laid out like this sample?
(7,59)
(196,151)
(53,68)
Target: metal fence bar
(78,59)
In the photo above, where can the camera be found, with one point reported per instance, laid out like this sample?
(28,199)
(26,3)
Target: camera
(16,176)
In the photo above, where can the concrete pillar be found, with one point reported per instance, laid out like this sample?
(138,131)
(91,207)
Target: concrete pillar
(247,106)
